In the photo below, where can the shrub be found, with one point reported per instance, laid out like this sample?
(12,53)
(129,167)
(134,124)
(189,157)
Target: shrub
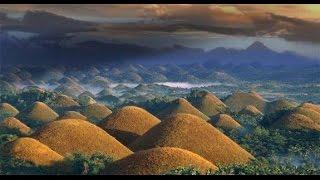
(76,164)
(187,171)
(269,166)
(87,165)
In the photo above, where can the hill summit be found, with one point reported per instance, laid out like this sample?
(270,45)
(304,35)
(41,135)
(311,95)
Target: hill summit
(128,123)
(37,114)
(240,100)
(6,110)
(181,105)
(207,103)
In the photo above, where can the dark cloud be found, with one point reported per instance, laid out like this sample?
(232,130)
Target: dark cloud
(297,29)
(47,23)
(247,20)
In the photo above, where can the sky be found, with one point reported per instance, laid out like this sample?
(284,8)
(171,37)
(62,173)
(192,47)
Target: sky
(281,27)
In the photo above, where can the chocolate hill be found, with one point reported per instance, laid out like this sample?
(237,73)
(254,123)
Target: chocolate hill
(63,101)
(278,105)
(311,106)
(12,125)
(31,150)
(37,114)
(7,110)
(250,111)
(158,161)
(224,121)
(73,115)
(306,116)
(69,136)
(309,112)
(86,100)
(239,100)
(180,105)
(128,123)
(190,132)
(96,112)
(207,103)
(296,121)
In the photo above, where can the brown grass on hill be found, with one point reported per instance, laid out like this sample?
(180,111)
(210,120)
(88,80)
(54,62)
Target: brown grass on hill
(281,104)
(73,115)
(33,151)
(251,111)
(8,110)
(64,101)
(310,113)
(74,135)
(190,132)
(38,112)
(96,111)
(296,121)
(239,100)
(180,105)
(209,104)
(224,121)
(13,125)
(128,123)
(158,161)
(311,106)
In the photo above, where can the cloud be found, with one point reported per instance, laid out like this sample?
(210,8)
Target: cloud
(292,22)
(297,29)
(199,15)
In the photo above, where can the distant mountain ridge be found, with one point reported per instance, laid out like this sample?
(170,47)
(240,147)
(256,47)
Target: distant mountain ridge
(55,52)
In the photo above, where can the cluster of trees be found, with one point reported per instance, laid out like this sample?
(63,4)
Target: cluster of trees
(25,98)
(261,166)
(76,164)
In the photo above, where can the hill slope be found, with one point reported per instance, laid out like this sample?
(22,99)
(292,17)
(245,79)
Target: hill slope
(190,132)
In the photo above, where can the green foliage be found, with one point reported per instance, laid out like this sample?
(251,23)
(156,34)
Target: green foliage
(87,165)
(153,106)
(269,166)
(23,99)
(5,115)
(12,166)
(188,171)
(259,141)
(5,138)
(269,119)
(246,121)
(110,100)
(260,166)
(76,164)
